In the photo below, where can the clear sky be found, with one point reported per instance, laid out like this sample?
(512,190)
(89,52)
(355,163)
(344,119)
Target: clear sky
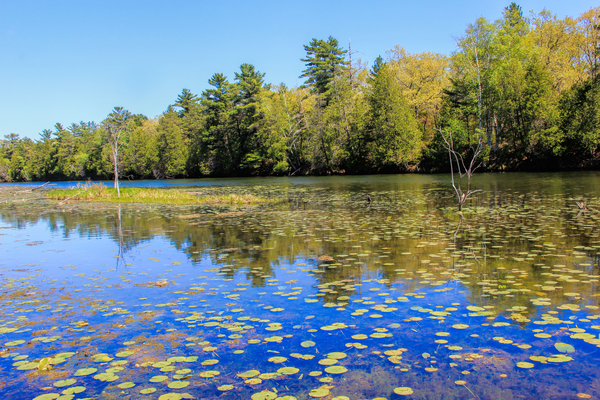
(72,61)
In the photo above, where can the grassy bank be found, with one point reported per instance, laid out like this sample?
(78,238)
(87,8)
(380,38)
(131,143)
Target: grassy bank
(101,193)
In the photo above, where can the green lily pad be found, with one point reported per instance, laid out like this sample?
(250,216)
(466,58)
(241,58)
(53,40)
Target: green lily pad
(337,355)
(249,374)
(288,370)
(161,364)
(74,390)
(126,385)
(403,391)
(14,343)
(158,378)
(525,364)
(47,396)
(175,396)
(66,382)
(564,348)
(178,384)
(148,390)
(85,371)
(208,374)
(106,377)
(307,343)
(320,392)
(264,395)
(277,359)
(336,369)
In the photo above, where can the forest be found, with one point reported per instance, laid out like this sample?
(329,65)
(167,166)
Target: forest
(526,86)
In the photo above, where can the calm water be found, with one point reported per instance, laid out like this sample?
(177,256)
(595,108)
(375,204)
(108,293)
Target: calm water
(318,295)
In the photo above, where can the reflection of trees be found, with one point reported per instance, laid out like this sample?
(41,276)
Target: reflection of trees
(256,244)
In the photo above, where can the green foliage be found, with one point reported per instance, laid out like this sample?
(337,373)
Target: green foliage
(394,134)
(580,112)
(101,193)
(323,60)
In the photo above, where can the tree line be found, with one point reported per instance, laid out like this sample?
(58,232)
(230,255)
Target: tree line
(528,86)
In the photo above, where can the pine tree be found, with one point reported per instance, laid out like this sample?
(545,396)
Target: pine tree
(323,60)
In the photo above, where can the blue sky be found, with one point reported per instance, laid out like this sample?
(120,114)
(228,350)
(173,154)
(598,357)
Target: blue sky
(71,61)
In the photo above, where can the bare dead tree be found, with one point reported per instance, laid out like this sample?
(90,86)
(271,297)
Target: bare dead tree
(116,125)
(461,167)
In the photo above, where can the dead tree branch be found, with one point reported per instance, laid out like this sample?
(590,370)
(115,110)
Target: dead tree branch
(462,168)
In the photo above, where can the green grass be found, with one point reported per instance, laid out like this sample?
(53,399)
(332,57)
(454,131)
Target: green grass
(101,193)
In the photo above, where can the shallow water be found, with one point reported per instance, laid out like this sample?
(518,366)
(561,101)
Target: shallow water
(319,295)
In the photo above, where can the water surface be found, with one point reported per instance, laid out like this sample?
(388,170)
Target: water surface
(321,294)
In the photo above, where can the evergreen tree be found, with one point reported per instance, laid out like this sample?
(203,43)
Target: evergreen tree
(394,134)
(323,60)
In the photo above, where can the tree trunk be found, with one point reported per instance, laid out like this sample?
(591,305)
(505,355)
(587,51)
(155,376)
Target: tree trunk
(116,172)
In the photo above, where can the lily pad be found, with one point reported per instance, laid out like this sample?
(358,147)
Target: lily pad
(66,382)
(564,348)
(403,391)
(320,392)
(336,369)
(178,384)
(264,395)
(288,370)
(85,371)
(525,364)
(249,374)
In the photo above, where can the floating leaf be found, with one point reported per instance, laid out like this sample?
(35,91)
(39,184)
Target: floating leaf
(277,359)
(47,396)
(249,374)
(288,370)
(264,395)
(209,374)
(178,384)
(320,392)
(403,391)
(66,382)
(85,371)
(73,390)
(336,369)
(525,364)
(564,348)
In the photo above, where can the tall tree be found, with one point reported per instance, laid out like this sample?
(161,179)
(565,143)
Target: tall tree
(422,78)
(395,135)
(116,128)
(186,101)
(249,83)
(218,139)
(473,64)
(588,26)
(323,59)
